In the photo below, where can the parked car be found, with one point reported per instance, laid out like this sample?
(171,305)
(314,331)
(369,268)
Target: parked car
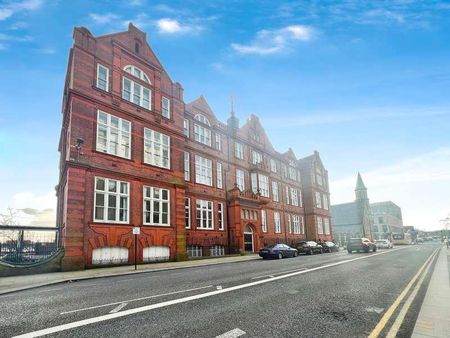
(329,247)
(278,251)
(360,244)
(384,244)
(309,247)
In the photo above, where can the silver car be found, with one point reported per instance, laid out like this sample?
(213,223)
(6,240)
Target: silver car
(384,244)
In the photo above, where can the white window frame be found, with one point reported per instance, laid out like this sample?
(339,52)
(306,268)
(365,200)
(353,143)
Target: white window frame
(136,72)
(219,175)
(186,127)
(318,199)
(264,220)
(194,251)
(277,222)
(137,90)
(160,201)
(123,143)
(240,179)
(287,195)
(294,197)
(202,134)
(165,111)
(275,195)
(263,184)
(297,224)
(292,173)
(119,195)
(218,142)
(217,250)
(325,201)
(238,150)
(220,214)
(99,66)
(289,224)
(156,148)
(187,166)
(203,170)
(257,157)
(204,214)
(326,225)
(319,225)
(273,165)
(203,119)
(187,213)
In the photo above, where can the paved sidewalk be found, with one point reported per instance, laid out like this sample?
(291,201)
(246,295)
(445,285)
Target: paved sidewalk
(18,283)
(434,316)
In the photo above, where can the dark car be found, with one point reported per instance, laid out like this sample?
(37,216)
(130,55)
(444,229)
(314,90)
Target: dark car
(329,247)
(309,247)
(278,251)
(361,244)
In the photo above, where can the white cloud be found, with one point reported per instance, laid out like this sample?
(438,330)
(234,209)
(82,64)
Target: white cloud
(102,19)
(47,51)
(136,3)
(275,41)
(173,26)
(11,8)
(419,185)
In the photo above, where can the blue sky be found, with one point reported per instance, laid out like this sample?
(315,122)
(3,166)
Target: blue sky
(366,83)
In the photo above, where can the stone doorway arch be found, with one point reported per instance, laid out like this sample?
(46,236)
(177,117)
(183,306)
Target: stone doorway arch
(249,238)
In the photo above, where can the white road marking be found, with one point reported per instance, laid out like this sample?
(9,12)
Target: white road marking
(145,308)
(118,308)
(278,273)
(374,309)
(219,287)
(232,334)
(135,299)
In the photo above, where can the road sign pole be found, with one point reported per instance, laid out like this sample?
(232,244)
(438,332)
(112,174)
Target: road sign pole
(135,252)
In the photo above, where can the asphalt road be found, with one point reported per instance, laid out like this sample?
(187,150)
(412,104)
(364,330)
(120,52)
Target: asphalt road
(329,295)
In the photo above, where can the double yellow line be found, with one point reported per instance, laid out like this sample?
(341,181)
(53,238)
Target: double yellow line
(404,310)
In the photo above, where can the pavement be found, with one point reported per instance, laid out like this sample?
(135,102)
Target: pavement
(20,283)
(434,316)
(329,295)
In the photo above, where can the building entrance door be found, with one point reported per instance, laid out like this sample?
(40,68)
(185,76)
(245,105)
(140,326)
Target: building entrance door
(248,239)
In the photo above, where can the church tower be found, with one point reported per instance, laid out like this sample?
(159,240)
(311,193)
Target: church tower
(363,206)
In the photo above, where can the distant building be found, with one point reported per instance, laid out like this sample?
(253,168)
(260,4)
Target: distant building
(353,219)
(387,219)
(316,197)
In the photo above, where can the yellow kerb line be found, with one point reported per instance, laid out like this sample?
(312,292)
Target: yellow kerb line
(384,320)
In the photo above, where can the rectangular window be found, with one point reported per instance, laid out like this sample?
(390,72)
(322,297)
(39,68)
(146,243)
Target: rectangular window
(254,181)
(319,226)
(326,223)
(276,218)
(289,224)
(218,142)
(205,218)
(292,173)
(240,180)
(300,198)
(156,206)
(187,213)
(187,167)
(217,250)
(194,251)
(273,165)
(318,200)
(111,201)
(287,195)
(294,197)
(186,127)
(202,135)
(256,157)
(284,170)
(156,149)
(275,196)
(220,212)
(203,170)
(263,185)
(134,92)
(325,202)
(102,77)
(238,150)
(297,224)
(219,175)
(113,135)
(264,220)
(165,107)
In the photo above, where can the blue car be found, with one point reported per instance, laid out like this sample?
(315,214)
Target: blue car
(278,251)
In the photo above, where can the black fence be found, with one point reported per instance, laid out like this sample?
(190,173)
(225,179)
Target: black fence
(23,245)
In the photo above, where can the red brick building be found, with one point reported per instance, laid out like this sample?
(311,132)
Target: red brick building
(133,154)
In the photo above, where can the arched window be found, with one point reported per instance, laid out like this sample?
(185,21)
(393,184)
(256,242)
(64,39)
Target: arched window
(202,118)
(135,71)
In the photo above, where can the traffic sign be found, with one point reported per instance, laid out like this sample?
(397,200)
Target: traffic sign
(136,231)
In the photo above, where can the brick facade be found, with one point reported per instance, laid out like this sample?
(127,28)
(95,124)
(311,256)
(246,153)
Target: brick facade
(86,168)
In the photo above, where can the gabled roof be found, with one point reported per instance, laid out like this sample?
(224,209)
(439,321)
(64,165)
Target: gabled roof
(290,154)
(200,105)
(314,157)
(253,125)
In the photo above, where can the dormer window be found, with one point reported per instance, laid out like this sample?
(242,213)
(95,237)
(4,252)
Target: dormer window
(135,71)
(202,134)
